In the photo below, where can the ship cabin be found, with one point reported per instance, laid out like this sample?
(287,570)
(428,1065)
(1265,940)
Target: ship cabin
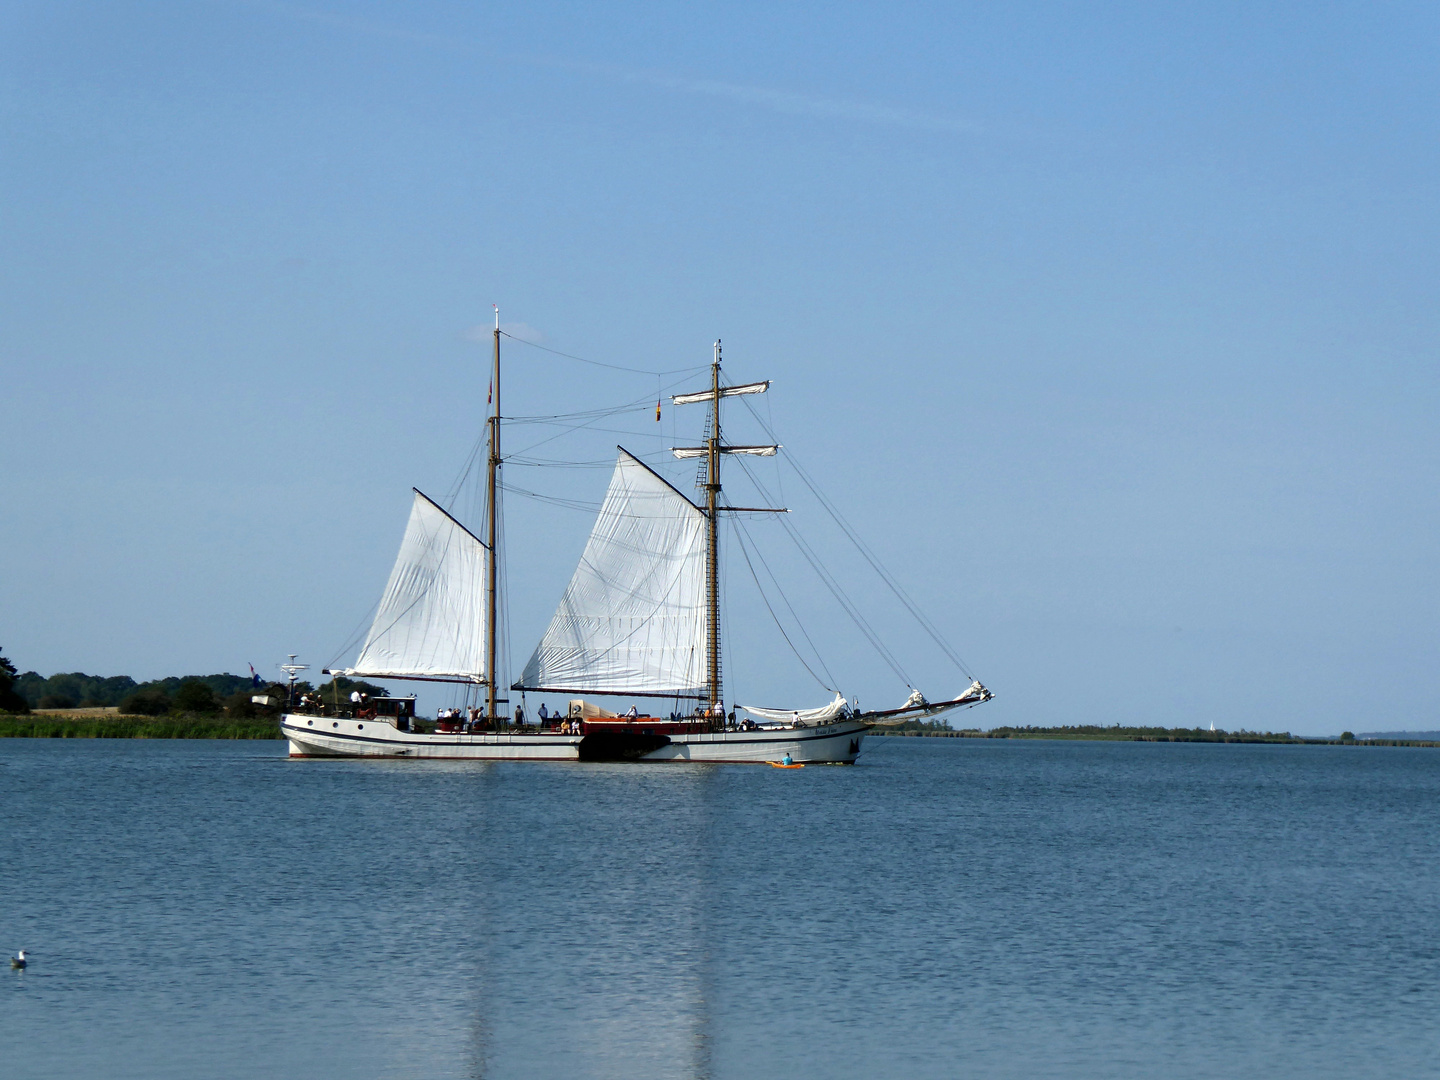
(400,711)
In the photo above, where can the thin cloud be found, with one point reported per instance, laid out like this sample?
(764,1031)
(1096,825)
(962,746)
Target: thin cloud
(786,102)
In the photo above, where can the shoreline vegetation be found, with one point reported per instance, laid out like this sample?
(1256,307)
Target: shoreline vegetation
(74,705)
(183,726)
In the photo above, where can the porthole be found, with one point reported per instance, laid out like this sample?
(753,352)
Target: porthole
(311,723)
(335,724)
(361,726)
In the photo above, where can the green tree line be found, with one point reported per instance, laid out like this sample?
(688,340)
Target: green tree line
(188,694)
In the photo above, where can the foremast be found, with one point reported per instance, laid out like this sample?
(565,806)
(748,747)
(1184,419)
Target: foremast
(437,620)
(492,532)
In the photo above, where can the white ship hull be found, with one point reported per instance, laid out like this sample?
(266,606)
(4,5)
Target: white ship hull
(828,744)
(318,736)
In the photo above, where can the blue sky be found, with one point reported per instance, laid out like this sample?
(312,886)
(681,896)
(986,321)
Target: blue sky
(1111,327)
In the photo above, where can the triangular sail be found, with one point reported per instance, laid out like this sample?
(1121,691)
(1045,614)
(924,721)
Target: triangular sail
(431,622)
(632,619)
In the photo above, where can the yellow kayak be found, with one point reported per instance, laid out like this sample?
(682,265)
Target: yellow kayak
(782,765)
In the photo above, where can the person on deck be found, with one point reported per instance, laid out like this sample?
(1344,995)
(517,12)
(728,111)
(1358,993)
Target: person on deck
(632,713)
(544,713)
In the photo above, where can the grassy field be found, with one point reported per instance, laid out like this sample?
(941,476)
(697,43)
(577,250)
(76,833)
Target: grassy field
(138,727)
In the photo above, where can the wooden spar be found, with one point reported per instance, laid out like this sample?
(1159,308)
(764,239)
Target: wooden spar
(492,531)
(930,707)
(712,553)
(680,696)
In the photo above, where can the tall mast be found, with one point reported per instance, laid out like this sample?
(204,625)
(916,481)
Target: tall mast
(492,531)
(713,448)
(712,549)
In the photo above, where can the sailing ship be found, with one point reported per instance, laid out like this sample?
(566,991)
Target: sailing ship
(640,618)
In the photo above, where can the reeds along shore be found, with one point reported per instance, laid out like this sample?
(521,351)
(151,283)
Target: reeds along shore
(184,726)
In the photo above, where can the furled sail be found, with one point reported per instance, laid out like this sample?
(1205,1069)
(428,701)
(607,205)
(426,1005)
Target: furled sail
(701,451)
(431,622)
(632,619)
(823,715)
(916,707)
(725,391)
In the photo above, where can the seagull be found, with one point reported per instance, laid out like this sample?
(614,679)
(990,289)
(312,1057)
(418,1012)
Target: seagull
(19,962)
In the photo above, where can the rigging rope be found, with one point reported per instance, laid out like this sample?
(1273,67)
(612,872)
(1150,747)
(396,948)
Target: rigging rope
(598,363)
(589,420)
(740,538)
(841,597)
(865,551)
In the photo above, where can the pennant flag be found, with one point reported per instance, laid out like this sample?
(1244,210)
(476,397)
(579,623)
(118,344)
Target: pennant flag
(657,410)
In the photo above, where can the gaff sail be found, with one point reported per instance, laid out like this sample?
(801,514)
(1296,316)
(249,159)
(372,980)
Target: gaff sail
(431,620)
(632,619)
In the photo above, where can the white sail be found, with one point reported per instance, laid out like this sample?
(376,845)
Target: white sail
(431,622)
(632,619)
(822,715)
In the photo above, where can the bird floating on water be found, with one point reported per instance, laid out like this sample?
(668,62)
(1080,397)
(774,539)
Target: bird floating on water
(18,961)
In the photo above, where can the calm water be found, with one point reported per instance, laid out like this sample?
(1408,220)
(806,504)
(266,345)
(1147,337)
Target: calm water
(947,908)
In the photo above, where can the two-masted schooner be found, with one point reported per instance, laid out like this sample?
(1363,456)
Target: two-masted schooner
(640,618)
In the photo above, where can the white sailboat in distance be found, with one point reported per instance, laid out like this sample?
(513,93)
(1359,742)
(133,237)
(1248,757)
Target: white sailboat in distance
(639,619)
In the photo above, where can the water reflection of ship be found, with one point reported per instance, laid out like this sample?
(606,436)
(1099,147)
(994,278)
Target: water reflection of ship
(598,991)
(640,618)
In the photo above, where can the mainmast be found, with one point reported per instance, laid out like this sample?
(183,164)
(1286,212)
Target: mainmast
(492,531)
(712,541)
(712,450)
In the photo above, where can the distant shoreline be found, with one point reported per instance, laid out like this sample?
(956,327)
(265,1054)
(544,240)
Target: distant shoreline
(1187,735)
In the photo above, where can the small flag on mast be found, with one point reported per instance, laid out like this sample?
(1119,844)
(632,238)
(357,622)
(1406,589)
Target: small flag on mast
(657,410)
(254,678)
(490,394)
